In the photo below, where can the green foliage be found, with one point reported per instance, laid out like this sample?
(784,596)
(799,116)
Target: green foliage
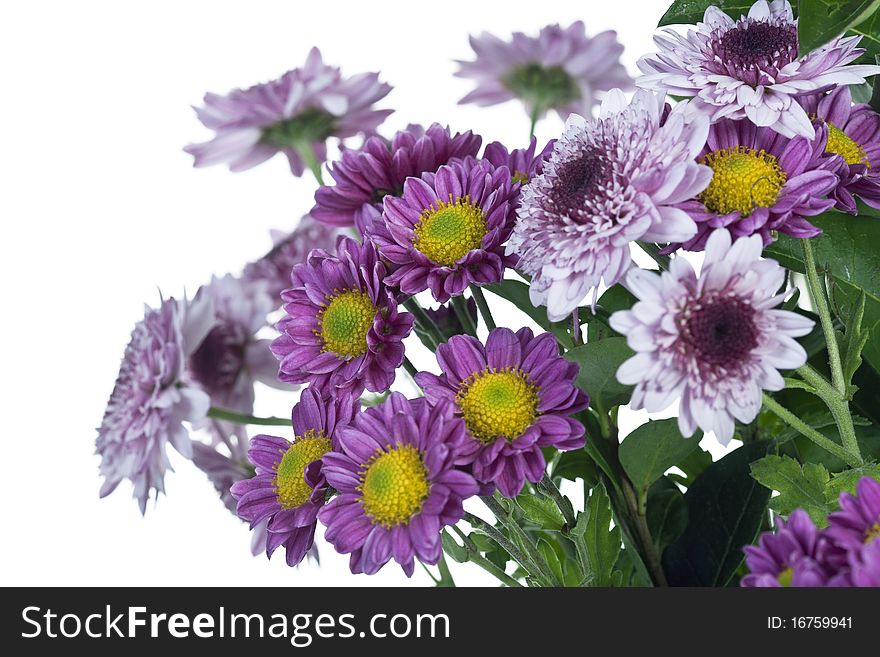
(799,486)
(576,464)
(613,299)
(820,21)
(846,481)
(599,362)
(667,513)
(602,543)
(517,293)
(690,12)
(453,548)
(541,510)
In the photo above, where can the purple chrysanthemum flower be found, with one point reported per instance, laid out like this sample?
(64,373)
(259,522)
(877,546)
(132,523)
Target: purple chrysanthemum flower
(301,109)
(761,182)
(750,68)
(448,229)
(397,482)
(222,470)
(793,555)
(516,395)
(864,565)
(858,521)
(378,169)
(714,341)
(561,69)
(342,328)
(853,135)
(523,163)
(289,488)
(150,401)
(608,183)
(273,270)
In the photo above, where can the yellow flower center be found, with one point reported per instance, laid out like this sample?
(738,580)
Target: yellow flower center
(872,533)
(446,232)
(786,576)
(394,485)
(841,143)
(290,484)
(345,321)
(742,180)
(498,403)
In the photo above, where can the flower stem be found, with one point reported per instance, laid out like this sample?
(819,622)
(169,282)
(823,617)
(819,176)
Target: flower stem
(817,294)
(649,550)
(548,486)
(241,418)
(535,114)
(483,306)
(424,321)
(307,153)
(838,406)
(461,311)
(654,251)
(805,429)
(505,544)
(474,556)
(409,367)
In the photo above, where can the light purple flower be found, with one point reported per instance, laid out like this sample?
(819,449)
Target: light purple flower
(858,521)
(397,482)
(301,109)
(222,470)
(761,182)
(378,169)
(289,487)
(793,555)
(852,139)
(516,395)
(560,69)
(608,183)
(750,68)
(448,229)
(150,400)
(342,328)
(712,341)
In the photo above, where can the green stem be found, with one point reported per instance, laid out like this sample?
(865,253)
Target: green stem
(483,306)
(474,556)
(817,294)
(838,406)
(805,429)
(548,486)
(467,323)
(424,320)
(527,542)
(534,116)
(241,418)
(409,367)
(649,550)
(505,544)
(654,251)
(308,155)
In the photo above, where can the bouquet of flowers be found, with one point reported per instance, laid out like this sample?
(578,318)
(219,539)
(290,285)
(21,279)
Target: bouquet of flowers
(752,141)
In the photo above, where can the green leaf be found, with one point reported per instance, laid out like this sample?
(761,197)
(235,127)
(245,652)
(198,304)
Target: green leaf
(690,12)
(456,551)
(602,542)
(726,508)
(599,362)
(613,299)
(541,510)
(551,558)
(517,293)
(667,514)
(855,339)
(820,21)
(846,481)
(651,450)
(800,487)
(695,464)
(577,464)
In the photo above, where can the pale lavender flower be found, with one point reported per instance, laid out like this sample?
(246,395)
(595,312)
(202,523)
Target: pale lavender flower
(750,68)
(712,341)
(609,182)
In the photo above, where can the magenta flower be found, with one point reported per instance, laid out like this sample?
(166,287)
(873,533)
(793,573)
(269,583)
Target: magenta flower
(523,163)
(858,521)
(712,341)
(608,183)
(750,68)
(342,328)
(378,169)
(561,69)
(298,111)
(288,488)
(397,482)
(448,229)
(516,395)
(793,555)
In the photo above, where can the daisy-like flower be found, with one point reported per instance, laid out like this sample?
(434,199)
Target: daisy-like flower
(222,470)
(608,183)
(272,271)
(761,182)
(448,229)
(853,134)
(750,68)
(289,488)
(858,521)
(516,395)
(865,566)
(523,163)
(714,341)
(793,555)
(378,169)
(397,482)
(296,113)
(561,69)
(150,401)
(342,328)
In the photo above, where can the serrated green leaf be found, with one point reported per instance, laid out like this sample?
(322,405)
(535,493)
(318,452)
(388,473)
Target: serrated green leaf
(667,513)
(690,12)
(541,510)
(799,487)
(653,448)
(599,362)
(820,21)
(602,542)
(846,481)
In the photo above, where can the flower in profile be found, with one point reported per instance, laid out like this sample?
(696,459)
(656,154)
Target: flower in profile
(516,395)
(609,182)
(761,182)
(150,400)
(750,68)
(793,555)
(379,168)
(272,271)
(222,470)
(523,163)
(561,69)
(293,115)
(713,341)
(397,482)
(852,133)
(342,328)
(858,521)
(448,229)
(289,488)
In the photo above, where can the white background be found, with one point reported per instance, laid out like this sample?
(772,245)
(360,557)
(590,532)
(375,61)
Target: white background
(100,209)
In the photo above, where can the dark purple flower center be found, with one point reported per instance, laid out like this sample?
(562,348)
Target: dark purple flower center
(577,180)
(756,49)
(218,361)
(721,332)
